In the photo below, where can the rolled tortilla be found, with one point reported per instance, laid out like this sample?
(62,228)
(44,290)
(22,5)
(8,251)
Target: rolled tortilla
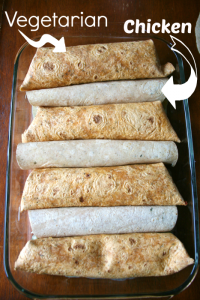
(105,256)
(60,222)
(105,186)
(34,111)
(132,121)
(99,93)
(91,63)
(94,153)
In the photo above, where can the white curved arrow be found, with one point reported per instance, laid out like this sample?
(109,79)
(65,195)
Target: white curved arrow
(47,38)
(174,92)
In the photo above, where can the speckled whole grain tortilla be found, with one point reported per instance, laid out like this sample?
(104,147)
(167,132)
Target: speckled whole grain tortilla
(91,63)
(105,256)
(94,153)
(148,184)
(76,221)
(132,121)
(98,93)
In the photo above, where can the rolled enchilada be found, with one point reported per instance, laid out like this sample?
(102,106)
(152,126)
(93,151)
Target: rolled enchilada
(148,184)
(132,121)
(105,256)
(76,221)
(92,63)
(98,93)
(94,153)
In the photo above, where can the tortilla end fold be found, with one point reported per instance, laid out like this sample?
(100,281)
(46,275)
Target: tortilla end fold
(168,69)
(175,155)
(178,259)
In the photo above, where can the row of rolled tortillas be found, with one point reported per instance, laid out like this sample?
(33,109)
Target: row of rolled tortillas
(106,186)
(105,256)
(109,187)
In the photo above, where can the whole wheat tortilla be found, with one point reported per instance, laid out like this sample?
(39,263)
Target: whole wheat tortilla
(73,221)
(132,121)
(91,63)
(105,256)
(94,153)
(99,93)
(148,184)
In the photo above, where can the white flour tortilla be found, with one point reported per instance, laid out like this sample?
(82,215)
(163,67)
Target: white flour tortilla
(73,221)
(99,93)
(94,153)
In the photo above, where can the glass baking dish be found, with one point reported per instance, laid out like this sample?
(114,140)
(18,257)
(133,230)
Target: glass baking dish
(17,229)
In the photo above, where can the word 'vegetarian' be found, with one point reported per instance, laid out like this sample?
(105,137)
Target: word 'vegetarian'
(63,21)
